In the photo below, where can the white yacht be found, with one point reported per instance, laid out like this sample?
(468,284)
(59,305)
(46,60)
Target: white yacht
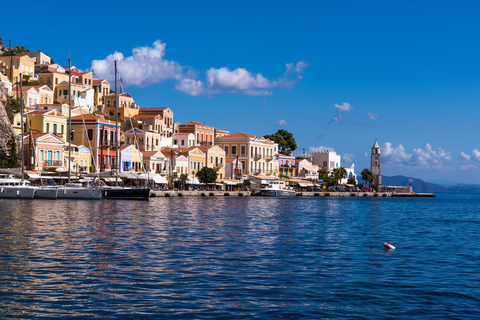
(77,191)
(12,188)
(277,189)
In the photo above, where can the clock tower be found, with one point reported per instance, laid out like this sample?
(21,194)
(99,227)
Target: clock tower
(375,165)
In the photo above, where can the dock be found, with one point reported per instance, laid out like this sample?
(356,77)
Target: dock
(298,194)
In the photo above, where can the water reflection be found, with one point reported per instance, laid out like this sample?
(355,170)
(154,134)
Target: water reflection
(236,257)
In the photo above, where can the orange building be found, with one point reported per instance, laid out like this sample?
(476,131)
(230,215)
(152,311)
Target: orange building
(204,135)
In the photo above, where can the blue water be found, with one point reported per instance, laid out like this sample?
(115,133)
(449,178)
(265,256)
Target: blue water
(239,257)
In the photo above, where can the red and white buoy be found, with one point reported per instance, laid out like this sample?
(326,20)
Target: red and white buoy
(388,246)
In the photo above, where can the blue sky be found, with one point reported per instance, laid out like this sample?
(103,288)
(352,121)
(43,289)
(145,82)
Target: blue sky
(334,73)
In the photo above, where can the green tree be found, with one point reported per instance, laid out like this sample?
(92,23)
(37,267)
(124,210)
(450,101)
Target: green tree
(12,107)
(183,179)
(16,51)
(286,141)
(352,181)
(207,175)
(247,183)
(338,174)
(367,176)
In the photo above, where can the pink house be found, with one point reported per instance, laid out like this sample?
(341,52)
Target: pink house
(43,150)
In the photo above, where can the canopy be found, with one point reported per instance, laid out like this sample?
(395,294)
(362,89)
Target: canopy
(230,182)
(158,179)
(193,181)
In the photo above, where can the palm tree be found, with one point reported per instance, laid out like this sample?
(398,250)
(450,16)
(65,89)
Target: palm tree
(338,174)
(183,179)
(367,176)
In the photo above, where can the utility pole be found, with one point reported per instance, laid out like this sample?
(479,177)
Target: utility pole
(69,116)
(11,59)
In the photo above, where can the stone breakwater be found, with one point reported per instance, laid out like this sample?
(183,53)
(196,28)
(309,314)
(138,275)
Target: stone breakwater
(298,194)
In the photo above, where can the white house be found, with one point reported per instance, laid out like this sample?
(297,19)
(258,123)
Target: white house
(183,140)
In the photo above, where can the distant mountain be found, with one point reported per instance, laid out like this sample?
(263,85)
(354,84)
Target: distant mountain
(463,188)
(417,184)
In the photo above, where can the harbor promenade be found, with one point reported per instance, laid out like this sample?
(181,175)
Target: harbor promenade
(298,194)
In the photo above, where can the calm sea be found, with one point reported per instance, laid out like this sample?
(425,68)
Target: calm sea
(239,257)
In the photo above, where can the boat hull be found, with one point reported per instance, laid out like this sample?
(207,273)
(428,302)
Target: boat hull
(16,192)
(45,193)
(126,193)
(79,193)
(277,193)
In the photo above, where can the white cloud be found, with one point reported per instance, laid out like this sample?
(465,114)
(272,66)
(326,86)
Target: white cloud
(344,106)
(395,155)
(281,123)
(145,66)
(341,108)
(476,155)
(430,158)
(465,157)
(468,167)
(191,87)
(264,102)
(373,116)
(348,159)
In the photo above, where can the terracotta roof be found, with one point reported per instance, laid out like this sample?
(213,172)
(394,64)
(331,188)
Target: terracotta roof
(167,151)
(120,95)
(145,116)
(154,109)
(95,82)
(230,159)
(150,153)
(86,117)
(239,135)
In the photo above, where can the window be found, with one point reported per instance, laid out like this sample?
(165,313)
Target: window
(211,159)
(61,129)
(90,134)
(42,154)
(195,165)
(242,150)
(226,150)
(57,155)
(55,128)
(175,141)
(48,127)
(183,142)
(234,150)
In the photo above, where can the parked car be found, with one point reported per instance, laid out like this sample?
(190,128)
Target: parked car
(366,189)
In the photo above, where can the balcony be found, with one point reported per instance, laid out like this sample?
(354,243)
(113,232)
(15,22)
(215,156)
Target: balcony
(257,157)
(50,163)
(268,158)
(217,166)
(204,143)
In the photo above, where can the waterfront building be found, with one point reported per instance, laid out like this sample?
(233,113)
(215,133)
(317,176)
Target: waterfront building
(43,151)
(204,134)
(167,116)
(195,157)
(255,153)
(183,140)
(327,159)
(215,159)
(144,140)
(155,162)
(131,159)
(101,88)
(46,121)
(286,165)
(81,159)
(375,165)
(306,169)
(350,174)
(20,64)
(126,106)
(99,136)
(233,168)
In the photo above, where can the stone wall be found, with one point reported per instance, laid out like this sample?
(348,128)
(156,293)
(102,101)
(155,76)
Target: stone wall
(6,129)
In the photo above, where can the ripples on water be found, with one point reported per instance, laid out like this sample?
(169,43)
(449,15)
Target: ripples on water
(240,258)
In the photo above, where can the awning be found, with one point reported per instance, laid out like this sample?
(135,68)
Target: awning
(193,181)
(158,179)
(230,182)
(302,184)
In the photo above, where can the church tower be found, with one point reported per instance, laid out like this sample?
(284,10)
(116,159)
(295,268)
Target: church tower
(375,165)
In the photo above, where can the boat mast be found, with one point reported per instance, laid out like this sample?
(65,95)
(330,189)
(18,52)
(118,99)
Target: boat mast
(117,163)
(21,121)
(69,115)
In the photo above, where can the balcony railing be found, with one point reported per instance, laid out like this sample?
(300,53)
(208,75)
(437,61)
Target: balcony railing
(204,143)
(268,158)
(257,156)
(50,163)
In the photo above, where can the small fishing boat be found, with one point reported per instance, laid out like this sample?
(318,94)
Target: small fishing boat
(277,189)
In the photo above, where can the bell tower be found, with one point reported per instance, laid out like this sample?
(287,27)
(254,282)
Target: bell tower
(375,165)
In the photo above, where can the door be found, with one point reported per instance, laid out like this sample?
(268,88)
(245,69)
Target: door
(49,158)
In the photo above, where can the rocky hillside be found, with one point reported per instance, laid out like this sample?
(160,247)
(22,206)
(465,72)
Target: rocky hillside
(417,184)
(6,130)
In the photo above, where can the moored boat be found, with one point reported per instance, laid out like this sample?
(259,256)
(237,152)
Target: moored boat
(277,189)
(12,188)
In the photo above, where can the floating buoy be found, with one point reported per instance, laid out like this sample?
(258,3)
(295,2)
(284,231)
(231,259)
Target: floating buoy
(388,246)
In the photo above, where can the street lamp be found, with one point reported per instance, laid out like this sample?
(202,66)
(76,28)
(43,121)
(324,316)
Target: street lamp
(410,181)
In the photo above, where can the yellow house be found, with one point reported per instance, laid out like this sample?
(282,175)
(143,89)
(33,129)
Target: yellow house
(47,121)
(255,153)
(40,57)
(155,161)
(81,159)
(215,159)
(126,106)
(195,156)
(102,89)
(131,159)
(20,64)
(33,95)
(52,76)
